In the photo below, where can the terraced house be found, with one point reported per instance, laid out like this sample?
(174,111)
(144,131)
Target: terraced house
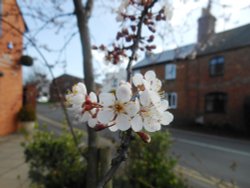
(207,82)
(12,27)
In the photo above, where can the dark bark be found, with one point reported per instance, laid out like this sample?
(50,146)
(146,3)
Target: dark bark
(82,15)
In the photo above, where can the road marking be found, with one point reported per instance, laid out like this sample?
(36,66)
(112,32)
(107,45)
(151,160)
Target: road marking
(209,180)
(102,140)
(56,123)
(210,146)
(50,121)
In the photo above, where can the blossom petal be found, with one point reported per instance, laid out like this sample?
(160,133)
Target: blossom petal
(93,97)
(105,116)
(166,118)
(136,123)
(146,84)
(156,85)
(107,99)
(137,79)
(132,107)
(154,97)
(127,84)
(122,122)
(80,88)
(164,105)
(113,128)
(92,122)
(152,126)
(78,99)
(124,93)
(145,98)
(75,108)
(150,75)
(85,117)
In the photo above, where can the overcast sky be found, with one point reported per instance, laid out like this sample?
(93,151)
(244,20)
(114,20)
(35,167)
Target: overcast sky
(182,29)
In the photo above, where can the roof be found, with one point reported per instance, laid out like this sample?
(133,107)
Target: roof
(169,55)
(65,75)
(68,76)
(230,39)
(223,41)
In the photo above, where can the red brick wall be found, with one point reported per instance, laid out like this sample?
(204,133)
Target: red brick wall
(11,81)
(235,82)
(193,82)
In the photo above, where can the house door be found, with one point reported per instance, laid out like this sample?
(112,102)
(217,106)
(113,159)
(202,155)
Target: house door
(247,113)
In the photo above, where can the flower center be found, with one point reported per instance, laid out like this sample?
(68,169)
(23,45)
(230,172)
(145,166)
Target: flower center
(145,112)
(118,107)
(74,90)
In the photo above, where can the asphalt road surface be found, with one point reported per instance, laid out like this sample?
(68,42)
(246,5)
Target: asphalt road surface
(214,157)
(207,161)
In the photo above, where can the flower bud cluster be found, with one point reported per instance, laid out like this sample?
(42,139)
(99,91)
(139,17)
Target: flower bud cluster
(122,109)
(135,14)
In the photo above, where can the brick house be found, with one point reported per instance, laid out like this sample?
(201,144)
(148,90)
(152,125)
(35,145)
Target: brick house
(11,42)
(65,83)
(207,82)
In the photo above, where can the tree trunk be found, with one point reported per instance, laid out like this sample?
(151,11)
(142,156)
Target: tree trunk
(82,16)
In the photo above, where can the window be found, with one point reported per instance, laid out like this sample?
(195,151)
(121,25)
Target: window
(216,66)
(216,102)
(172,100)
(170,71)
(10,45)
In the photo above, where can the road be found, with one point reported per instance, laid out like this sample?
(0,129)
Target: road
(207,161)
(223,158)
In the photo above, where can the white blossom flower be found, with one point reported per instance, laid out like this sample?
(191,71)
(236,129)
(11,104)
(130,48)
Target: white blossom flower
(81,104)
(117,108)
(148,85)
(78,94)
(153,112)
(121,110)
(151,117)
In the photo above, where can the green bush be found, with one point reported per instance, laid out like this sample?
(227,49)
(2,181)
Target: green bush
(27,113)
(150,165)
(55,161)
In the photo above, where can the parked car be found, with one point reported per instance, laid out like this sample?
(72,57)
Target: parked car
(43,99)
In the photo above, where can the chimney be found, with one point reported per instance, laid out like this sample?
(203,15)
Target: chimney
(206,24)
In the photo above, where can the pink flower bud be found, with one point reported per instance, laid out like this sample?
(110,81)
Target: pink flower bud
(144,136)
(100,127)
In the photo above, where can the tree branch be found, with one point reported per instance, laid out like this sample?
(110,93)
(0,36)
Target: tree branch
(127,137)
(89,7)
(134,47)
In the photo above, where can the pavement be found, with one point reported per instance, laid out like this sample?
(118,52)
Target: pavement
(13,169)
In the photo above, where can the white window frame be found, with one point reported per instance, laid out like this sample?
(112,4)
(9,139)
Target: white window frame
(137,71)
(170,71)
(172,98)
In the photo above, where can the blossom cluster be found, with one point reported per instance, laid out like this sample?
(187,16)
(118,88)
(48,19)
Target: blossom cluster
(133,15)
(145,109)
